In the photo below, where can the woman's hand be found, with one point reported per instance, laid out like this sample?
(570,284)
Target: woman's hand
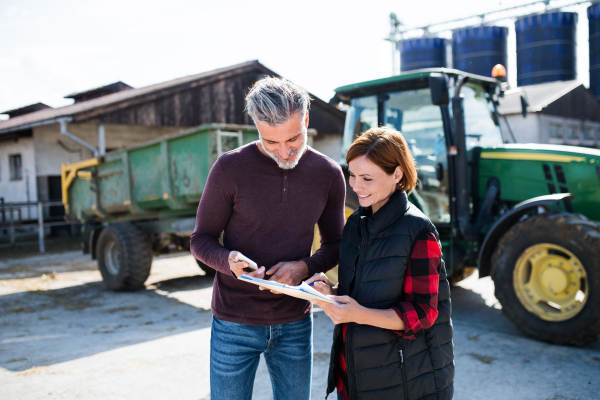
(347,311)
(321,284)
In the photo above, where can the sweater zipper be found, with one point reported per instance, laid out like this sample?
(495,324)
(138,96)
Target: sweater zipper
(403,370)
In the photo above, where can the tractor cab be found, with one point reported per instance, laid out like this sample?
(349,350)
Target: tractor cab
(416,105)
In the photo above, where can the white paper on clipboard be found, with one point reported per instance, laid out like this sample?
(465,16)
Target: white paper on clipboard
(302,291)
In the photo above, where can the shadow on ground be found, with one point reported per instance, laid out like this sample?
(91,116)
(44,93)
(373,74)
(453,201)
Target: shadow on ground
(470,308)
(46,327)
(473,306)
(28,247)
(186,283)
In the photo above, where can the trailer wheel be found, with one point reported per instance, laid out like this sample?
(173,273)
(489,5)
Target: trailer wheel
(207,270)
(124,256)
(546,270)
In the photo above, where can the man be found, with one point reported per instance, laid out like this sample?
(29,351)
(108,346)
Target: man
(266,197)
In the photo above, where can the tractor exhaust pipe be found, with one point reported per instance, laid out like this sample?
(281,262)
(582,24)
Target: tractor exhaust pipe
(463,207)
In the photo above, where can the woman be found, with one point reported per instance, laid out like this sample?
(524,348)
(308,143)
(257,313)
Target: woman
(393,334)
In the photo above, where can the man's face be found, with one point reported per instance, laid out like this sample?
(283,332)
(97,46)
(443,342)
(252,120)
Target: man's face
(284,143)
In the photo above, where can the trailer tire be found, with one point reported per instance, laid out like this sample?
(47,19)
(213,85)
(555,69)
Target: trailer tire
(547,278)
(124,256)
(207,270)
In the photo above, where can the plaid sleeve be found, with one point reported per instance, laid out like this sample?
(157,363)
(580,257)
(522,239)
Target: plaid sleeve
(418,310)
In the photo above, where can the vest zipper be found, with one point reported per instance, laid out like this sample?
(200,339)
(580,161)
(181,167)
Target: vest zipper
(348,349)
(403,370)
(350,364)
(363,246)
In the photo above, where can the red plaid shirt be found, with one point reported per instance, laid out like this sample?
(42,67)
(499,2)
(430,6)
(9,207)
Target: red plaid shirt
(418,310)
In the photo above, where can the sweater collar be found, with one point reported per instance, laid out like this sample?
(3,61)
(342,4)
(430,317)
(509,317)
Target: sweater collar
(395,207)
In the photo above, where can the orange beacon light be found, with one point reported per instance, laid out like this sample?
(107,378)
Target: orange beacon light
(499,72)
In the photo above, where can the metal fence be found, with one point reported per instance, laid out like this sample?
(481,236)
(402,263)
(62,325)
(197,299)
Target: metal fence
(11,219)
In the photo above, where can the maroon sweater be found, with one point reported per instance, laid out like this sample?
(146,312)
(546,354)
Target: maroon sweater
(268,214)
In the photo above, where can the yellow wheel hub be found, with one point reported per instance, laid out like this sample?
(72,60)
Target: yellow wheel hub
(554,279)
(550,282)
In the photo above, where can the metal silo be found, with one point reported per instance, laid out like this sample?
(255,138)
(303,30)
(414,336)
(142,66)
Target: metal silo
(546,45)
(478,49)
(422,53)
(593,13)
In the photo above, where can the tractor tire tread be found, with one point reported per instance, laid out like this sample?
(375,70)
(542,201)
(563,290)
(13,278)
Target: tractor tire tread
(136,254)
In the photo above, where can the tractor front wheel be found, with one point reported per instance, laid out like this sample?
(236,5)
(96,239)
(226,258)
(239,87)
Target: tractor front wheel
(546,270)
(124,256)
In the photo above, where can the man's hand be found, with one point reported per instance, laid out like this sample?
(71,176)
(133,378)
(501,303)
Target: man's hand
(288,272)
(239,267)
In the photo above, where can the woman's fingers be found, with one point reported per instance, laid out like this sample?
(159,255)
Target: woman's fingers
(322,287)
(333,311)
(342,299)
(317,277)
(323,304)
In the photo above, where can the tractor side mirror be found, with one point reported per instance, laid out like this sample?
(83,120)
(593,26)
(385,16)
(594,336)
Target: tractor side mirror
(438,85)
(524,105)
(439,172)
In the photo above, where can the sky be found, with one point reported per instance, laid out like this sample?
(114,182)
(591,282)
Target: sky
(49,49)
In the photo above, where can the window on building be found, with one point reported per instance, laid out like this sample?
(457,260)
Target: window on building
(556,131)
(588,133)
(15,166)
(598,134)
(572,132)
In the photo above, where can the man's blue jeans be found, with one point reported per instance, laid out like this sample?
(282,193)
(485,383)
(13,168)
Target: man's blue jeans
(235,353)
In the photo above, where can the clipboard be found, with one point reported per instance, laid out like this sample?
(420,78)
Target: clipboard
(302,291)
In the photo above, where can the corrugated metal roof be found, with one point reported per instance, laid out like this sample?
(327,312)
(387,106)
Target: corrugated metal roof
(53,113)
(538,96)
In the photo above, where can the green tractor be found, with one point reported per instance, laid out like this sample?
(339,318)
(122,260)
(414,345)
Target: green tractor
(525,214)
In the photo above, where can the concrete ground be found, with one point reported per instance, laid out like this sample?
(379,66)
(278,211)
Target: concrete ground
(64,336)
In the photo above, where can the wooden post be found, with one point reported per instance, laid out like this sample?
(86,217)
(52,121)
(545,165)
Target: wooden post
(12,227)
(41,235)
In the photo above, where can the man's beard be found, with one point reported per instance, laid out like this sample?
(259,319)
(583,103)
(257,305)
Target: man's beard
(286,164)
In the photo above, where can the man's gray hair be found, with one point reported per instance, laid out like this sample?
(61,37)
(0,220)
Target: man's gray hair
(273,101)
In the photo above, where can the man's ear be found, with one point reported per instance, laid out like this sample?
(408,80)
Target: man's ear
(306,120)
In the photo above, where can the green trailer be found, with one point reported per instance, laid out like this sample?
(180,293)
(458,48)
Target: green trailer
(142,200)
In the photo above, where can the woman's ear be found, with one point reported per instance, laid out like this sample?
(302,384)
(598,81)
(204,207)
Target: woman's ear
(398,174)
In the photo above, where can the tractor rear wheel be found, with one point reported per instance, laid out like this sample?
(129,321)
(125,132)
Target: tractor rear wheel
(207,270)
(124,256)
(546,270)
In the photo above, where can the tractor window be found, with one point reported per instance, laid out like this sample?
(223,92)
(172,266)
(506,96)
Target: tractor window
(360,117)
(412,113)
(481,128)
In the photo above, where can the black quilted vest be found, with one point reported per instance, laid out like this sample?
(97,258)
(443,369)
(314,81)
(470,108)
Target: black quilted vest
(381,364)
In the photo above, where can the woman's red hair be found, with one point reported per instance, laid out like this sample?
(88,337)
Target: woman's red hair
(387,149)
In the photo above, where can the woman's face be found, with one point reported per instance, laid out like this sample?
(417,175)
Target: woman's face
(373,186)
